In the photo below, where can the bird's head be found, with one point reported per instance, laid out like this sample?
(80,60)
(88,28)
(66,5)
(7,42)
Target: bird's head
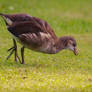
(69,42)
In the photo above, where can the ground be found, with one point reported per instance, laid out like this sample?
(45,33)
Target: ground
(63,72)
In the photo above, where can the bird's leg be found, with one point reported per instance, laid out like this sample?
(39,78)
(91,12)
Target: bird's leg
(22,55)
(14,49)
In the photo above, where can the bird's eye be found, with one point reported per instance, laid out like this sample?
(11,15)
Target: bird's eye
(74,44)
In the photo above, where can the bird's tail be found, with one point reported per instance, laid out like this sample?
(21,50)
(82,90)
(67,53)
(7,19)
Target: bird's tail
(1,14)
(6,18)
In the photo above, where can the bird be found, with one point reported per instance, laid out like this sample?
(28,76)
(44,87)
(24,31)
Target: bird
(35,34)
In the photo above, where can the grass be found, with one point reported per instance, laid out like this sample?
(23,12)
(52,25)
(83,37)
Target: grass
(62,72)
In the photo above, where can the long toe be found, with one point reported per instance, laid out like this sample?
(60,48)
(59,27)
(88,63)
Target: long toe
(12,51)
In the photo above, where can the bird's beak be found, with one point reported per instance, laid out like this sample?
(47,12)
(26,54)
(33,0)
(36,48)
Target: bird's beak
(75,51)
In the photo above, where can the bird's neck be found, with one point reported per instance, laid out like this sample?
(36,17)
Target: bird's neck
(58,46)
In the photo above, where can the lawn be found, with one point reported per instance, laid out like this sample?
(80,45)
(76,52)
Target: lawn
(62,72)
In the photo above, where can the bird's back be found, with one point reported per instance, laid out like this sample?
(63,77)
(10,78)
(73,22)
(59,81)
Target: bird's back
(20,18)
(31,31)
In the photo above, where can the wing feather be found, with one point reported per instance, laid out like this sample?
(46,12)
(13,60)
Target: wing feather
(24,28)
(30,34)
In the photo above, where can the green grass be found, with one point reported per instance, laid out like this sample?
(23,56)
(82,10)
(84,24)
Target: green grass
(62,72)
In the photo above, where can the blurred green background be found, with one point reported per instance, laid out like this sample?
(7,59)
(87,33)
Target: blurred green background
(62,72)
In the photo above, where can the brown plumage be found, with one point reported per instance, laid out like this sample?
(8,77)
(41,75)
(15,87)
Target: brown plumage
(35,34)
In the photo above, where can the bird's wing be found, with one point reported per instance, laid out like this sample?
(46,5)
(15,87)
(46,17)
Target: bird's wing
(19,19)
(24,28)
(16,17)
(45,27)
(29,33)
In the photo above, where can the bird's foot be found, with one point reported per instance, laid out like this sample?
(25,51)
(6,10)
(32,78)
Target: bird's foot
(13,49)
